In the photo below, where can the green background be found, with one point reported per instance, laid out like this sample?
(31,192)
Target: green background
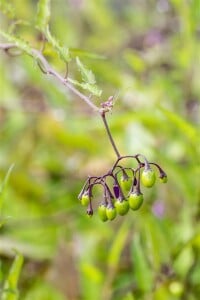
(147,54)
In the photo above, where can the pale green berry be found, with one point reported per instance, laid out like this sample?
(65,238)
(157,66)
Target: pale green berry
(135,200)
(122,207)
(111,213)
(102,212)
(148,177)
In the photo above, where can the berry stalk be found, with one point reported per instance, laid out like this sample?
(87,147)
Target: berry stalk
(103,115)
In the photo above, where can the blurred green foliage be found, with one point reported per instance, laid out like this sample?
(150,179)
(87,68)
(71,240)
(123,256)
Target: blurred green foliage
(148,54)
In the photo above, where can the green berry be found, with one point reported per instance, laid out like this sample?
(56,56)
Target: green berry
(111,213)
(90,211)
(125,183)
(148,177)
(85,199)
(89,216)
(163,179)
(135,200)
(122,207)
(102,212)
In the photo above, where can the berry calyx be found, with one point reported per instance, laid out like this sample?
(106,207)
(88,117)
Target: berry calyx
(111,212)
(122,207)
(148,177)
(135,200)
(102,212)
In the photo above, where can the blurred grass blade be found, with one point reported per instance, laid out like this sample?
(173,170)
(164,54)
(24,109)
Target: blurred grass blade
(43,14)
(128,296)
(118,245)
(92,88)
(157,247)
(142,270)
(91,272)
(10,290)
(3,186)
(7,8)
(185,127)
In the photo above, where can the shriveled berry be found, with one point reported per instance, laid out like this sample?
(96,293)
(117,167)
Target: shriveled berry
(116,190)
(122,207)
(111,212)
(148,177)
(85,199)
(135,200)
(102,212)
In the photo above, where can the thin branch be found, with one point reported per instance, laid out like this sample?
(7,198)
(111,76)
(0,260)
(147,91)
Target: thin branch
(48,70)
(110,135)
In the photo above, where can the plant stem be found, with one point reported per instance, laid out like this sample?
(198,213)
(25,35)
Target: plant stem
(109,134)
(48,70)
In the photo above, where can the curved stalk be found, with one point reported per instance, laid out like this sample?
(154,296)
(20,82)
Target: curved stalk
(109,134)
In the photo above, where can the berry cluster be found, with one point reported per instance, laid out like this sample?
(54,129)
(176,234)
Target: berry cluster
(121,187)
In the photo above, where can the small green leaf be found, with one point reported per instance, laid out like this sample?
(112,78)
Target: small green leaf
(18,42)
(10,290)
(89,81)
(87,75)
(142,272)
(43,14)
(92,88)
(42,23)
(62,51)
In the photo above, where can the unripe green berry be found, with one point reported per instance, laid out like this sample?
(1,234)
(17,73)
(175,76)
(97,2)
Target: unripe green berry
(148,177)
(102,212)
(122,207)
(176,288)
(85,199)
(135,200)
(125,183)
(89,211)
(111,213)
(163,179)
(89,216)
